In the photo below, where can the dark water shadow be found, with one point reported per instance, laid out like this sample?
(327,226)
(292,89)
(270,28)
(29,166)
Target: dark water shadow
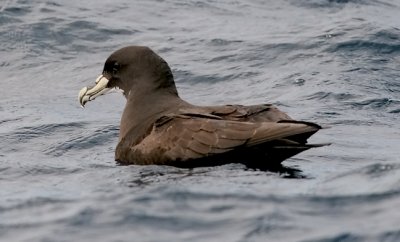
(283,171)
(143,176)
(181,173)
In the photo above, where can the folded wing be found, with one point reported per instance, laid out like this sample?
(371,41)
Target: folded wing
(184,137)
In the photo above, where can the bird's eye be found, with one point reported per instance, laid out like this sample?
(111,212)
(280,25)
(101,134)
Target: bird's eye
(115,68)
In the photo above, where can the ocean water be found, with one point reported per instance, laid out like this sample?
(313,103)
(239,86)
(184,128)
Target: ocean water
(334,62)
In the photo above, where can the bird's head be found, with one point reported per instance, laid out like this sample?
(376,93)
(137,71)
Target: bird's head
(133,69)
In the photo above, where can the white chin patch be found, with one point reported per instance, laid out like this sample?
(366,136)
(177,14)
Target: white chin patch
(117,90)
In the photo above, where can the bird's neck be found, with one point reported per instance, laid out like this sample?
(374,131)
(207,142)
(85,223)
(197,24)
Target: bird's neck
(143,108)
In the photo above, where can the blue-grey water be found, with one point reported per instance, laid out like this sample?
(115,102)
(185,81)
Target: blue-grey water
(334,62)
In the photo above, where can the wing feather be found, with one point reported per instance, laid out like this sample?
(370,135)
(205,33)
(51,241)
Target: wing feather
(182,139)
(269,131)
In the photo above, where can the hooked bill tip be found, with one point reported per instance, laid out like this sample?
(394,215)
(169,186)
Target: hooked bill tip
(81,96)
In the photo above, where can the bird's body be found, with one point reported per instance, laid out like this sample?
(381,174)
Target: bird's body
(158,127)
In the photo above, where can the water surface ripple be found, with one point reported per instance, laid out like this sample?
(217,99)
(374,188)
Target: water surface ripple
(335,62)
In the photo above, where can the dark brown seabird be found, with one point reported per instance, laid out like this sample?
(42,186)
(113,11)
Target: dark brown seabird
(158,127)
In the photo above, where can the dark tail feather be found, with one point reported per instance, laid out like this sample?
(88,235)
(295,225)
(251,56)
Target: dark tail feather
(302,138)
(273,155)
